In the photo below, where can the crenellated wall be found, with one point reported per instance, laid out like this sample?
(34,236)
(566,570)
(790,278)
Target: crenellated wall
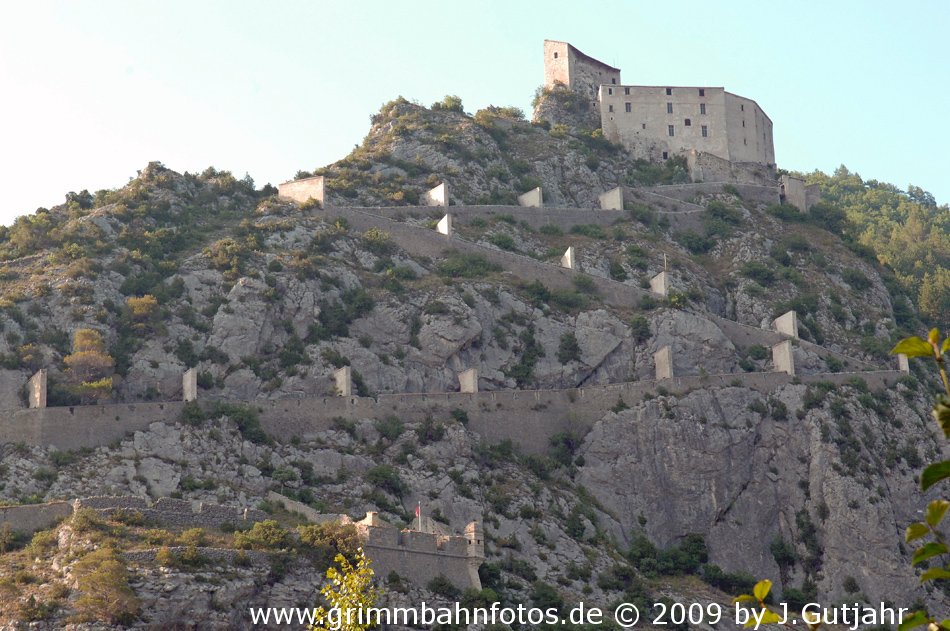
(422,556)
(167,512)
(540,414)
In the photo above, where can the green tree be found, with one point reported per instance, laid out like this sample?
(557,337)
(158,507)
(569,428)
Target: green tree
(905,230)
(451,103)
(105,594)
(934,296)
(932,554)
(349,594)
(89,368)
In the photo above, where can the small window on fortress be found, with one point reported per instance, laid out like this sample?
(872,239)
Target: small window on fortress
(669,108)
(688,122)
(610,90)
(555,55)
(705,131)
(614,81)
(702,108)
(626,91)
(669,129)
(644,125)
(669,91)
(610,108)
(742,106)
(743,123)
(628,107)
(666,155)
(702,92)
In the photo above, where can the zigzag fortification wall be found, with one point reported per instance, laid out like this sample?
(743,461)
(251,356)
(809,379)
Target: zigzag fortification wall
(89,426)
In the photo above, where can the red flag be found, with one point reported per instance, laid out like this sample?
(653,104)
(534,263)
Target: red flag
(418,510)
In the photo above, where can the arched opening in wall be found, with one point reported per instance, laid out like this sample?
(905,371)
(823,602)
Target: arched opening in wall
(555,55)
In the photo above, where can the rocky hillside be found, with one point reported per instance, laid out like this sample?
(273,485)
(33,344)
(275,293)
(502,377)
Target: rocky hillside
(808,485)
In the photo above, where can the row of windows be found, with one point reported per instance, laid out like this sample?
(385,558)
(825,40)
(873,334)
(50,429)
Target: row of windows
(669,106)
(702,108)
(628,107)
(669,91)
(671,129)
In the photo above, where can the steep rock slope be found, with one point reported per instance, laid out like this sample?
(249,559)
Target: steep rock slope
(266,300)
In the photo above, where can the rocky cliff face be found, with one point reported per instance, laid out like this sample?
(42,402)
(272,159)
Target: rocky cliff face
(810,486)
(735,466)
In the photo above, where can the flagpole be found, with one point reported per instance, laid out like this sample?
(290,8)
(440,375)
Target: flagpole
(419,514)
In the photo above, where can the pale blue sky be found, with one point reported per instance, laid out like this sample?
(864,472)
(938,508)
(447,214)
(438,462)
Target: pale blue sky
(92,91)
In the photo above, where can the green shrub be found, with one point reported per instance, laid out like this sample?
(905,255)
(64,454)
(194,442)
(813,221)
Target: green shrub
(450,103)
(589,230)
(390,427)
(568,349)
(640,328)
(62,459)
(436,307)
(585,284)
(429,431)
(563,447)
(263,535)
(104,591)
(693,242)
(856,279)
(685,558)
(459,265)
(733,583)
(247,420)
(386,478)
(758,272)
(616,270)
(443,587)
(786,212)
(335,317)
(545,596)
(324,541)
(502,240)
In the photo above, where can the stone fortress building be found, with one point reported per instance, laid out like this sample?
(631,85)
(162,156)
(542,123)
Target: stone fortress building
(658,122)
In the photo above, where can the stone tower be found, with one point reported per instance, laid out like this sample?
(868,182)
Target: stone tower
(476,551)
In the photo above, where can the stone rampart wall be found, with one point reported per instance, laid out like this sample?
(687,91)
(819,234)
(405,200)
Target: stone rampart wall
(309,513)
(217,556)
(169,512)
(762,194)
(165,512)
(32,517)
(422,242)
(74,427)
(540,413)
